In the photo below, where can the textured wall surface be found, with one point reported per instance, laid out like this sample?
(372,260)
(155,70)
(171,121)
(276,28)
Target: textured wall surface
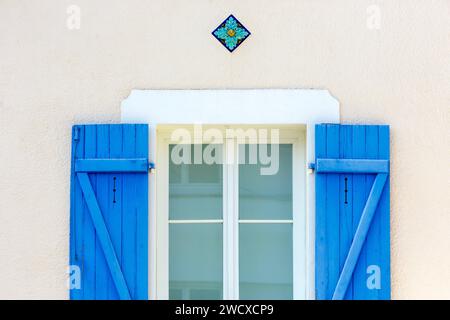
(394,72)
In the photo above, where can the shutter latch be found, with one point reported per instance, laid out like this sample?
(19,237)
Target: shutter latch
(151,167)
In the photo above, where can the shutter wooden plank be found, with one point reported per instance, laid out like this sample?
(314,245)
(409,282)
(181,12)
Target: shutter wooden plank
(360,236)
(321,273)
(90,151)
(359,201)
(332,211)
(76,220)
(129,222)
(384,218)
(103,236)
(371,245)
(142,217)
(115,202)
(345,208)
(102,273)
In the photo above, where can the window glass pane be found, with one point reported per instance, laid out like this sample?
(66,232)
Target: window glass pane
(265,261)
(195,261)
(265,196)
(195,190)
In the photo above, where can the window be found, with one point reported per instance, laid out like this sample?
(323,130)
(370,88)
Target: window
(195,228)
(265,228)
(234,228)
(165,110)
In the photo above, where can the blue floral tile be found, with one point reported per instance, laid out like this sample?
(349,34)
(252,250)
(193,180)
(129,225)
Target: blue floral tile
(231,33)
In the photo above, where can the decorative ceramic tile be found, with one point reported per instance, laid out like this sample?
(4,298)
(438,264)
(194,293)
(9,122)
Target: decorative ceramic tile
(231,33)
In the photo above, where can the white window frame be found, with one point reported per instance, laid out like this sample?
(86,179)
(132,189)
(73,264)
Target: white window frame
(294,135)
(252,106)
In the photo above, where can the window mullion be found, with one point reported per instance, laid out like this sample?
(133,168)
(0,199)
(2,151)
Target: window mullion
(230,222)
(235,220)
(226,225)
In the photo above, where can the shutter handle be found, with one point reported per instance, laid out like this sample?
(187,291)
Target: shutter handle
(151,167)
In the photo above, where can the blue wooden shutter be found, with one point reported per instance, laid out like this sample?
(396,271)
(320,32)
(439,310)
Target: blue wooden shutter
(352,212)
(109,211)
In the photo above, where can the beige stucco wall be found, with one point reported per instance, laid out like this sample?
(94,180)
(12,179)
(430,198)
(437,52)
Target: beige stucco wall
(52,77)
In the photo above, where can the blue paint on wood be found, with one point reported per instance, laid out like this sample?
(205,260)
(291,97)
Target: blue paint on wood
(321,274)
(362,226)
(345,201)
(102,273)
(76,220)
(106,142)
(115,201)
(89,236)
(111,165)
(370,250)
(142,218)
(129,222)
(351,166)
(359,201)
(360,236)
(103,237)
(332,210)
(384,217)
